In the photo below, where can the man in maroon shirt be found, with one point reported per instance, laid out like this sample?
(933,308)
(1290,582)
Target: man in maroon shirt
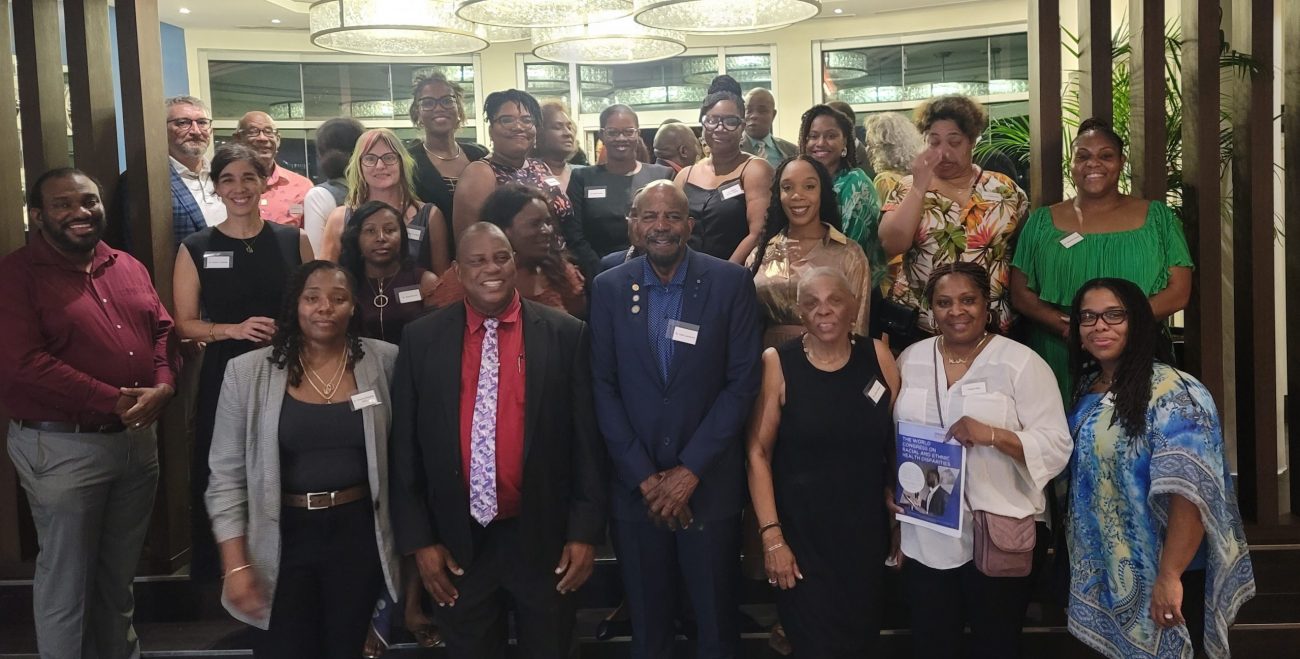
(86,368)
(497,473)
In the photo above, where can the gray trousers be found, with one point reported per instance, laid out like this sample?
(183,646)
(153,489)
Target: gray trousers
(91,497)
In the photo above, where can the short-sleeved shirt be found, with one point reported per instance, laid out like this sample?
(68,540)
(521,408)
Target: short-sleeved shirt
(282,201)
(978,232)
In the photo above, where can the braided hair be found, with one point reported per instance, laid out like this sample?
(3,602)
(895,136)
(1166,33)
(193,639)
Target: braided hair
(286,343)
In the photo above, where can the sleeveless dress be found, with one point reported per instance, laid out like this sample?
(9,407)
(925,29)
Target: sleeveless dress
(720,218)
(828,470)
(417,235)
(386,323)
(253,286)
(535,174)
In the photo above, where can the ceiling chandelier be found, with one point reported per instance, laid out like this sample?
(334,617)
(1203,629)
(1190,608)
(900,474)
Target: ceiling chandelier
(718,17)
(620,41)
(541,13)
(744,68)
(408,28)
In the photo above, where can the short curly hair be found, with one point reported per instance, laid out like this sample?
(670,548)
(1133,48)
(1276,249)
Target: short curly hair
(892,142)
(969,115)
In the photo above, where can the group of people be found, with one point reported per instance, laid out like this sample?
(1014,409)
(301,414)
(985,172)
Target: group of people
(446,374)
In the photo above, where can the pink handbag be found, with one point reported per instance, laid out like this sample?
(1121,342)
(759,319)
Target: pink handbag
(1004,546)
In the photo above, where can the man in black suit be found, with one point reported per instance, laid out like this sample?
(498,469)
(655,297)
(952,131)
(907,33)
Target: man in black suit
(937,502)
(498,470)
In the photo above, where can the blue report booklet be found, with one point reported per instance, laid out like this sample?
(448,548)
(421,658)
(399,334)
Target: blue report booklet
(931,478)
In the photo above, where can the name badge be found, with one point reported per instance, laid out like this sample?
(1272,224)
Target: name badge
(552,181)
(408,294)
(874,391)
(363,399)
(974,389)
(733,190)
(414,233)
(263,201)
(683,332)
(596,193)
(218,260)
(295,209)
(1072,240)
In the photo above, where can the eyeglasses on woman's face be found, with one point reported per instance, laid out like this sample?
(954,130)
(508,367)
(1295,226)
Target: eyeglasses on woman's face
(433,102)
(614,133)
(1110,316)
(728,122)
(510,121)
(372,160)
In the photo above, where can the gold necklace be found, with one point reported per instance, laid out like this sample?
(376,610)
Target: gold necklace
(444,158)
(817,360)
(943,346)
(330,387)
(380,301)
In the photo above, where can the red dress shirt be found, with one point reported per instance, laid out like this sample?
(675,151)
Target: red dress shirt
(72,338)
(282,201)
(510,400)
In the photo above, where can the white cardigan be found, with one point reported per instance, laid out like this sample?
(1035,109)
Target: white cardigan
(1008,386)
(243,496)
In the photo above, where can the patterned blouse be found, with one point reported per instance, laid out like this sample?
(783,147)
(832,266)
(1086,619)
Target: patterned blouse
(979,232)
(860,217)
(1120,488)
(535,174)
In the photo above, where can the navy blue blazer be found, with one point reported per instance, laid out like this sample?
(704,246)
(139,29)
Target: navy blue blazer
(697,418)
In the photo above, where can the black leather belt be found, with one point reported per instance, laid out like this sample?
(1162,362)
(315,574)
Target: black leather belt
(65,426)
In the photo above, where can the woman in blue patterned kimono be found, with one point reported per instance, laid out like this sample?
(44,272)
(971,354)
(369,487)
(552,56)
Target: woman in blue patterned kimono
(1159,565)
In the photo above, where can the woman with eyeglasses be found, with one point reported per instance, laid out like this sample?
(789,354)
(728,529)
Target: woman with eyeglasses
(728,191)
(1101,232)
(227,286)
(438,107)
(381,170)
(1158,559)
(602,195)
(512,118)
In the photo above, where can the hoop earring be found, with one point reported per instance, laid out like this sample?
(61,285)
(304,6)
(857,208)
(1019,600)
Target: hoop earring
(844,152)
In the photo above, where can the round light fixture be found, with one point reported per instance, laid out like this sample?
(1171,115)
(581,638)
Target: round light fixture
(733,16)
(541,13)
(842,65)
(751,69)
(620,41)
(410,28)
(551,79)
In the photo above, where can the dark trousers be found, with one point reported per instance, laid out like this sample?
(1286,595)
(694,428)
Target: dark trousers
(706,556)
(329,579)
(942,602)
(500,576)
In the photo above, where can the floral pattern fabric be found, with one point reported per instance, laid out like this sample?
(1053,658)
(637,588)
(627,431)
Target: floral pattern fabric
(1120,488)
(979,231)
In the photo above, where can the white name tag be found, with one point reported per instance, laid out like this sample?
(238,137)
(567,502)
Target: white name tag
(414,233)
(1072,240)
(218,260)
(974,389)
(552,181)
(875,391)
(596,193)
(408,294)
(733,190)
(363,399)
(683,332)
(295,209)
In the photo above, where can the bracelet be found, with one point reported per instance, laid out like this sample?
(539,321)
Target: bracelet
(234,570)
(993,436)
(770,525)
(774,547)
(212,332)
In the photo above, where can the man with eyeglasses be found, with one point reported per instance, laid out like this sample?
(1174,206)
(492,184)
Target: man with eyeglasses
(285,189)
(760,112)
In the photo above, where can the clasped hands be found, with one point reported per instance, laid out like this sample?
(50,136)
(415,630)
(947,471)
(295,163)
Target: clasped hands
(666,494)
(138,407)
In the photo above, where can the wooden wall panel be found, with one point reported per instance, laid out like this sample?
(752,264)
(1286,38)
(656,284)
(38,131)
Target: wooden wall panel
(40,85)
(1201,197)
(12,232)
(1096,94)
(1147,131)
(90,81)
(1045,177)
(1291,149)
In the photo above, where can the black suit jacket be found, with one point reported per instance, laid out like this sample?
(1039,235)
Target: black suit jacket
(938,502)
(565,466)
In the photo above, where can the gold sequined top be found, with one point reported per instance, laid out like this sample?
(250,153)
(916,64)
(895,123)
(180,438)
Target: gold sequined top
(777,281)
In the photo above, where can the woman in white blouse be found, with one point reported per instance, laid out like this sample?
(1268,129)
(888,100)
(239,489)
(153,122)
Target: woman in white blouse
(999,399)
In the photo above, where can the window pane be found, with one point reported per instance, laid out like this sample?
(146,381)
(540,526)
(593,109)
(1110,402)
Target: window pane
(293,148)
(405,75)
(347,90)
(671,84)
(750,70)
(863,75)
(1009,64)
(240,87)
(547,82)
(946,67)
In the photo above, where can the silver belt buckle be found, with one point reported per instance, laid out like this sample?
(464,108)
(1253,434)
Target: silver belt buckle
(320,494)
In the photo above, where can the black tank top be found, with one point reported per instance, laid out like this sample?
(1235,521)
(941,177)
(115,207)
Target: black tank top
(720,218)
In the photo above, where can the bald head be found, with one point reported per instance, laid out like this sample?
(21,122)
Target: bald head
(760,112)
(258,131)
(477,230)
(660,192)
(676,142)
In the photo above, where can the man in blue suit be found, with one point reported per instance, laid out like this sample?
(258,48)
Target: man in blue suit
(675,356)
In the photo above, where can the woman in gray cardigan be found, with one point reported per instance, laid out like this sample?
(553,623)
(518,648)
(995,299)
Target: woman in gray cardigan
(299,475)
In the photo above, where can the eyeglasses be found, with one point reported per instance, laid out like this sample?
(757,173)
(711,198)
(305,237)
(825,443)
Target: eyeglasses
(729,123)
(432,102)
(612,133)
(254,132)
(525,120)
(371,160)
(1111,316)
(185,124)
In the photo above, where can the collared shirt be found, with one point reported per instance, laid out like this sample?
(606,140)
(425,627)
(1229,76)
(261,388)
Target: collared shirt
(777,280)
(282,200)
(510,400)
(663,304)
(73,338)
(765,148)
(200,185)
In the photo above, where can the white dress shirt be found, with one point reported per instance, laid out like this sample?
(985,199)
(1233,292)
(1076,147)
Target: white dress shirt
(1007,386)
(201,186)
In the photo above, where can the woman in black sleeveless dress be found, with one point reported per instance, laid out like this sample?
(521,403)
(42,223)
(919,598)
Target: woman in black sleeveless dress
(729,191)
(227,287)
(819,452)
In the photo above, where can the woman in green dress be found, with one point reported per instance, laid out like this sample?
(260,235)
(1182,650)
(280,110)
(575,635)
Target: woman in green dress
(1101,232)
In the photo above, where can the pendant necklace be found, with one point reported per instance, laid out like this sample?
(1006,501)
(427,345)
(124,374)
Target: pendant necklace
(967,358)
(327,388)
(444,158)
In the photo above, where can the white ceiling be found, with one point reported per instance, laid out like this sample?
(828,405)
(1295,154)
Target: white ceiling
(292,14)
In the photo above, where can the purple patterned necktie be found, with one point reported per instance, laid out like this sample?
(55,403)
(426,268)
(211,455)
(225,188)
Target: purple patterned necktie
(483,432)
